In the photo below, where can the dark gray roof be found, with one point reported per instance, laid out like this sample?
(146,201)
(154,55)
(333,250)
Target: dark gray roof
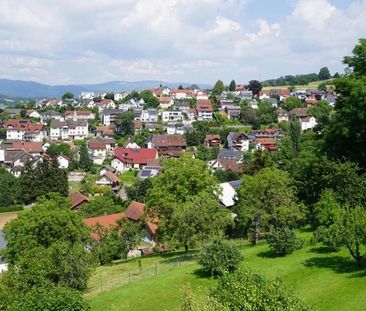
(69,123)
(236,183)
(228,154)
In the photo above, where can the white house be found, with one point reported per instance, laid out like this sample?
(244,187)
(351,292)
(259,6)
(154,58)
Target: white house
(79,115)
(24,130)
(69,129)
(109,116)
(306,120)
(149,115)
(171,116)
(63,161)
(238,141)
(204,110)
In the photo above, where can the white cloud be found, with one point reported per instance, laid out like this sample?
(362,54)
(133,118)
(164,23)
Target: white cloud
(88,41)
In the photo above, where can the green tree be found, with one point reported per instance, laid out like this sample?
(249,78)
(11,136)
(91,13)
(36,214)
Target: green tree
(283,241)
(322,113)
(9,188)
(267,200)
(151,101)
(324,73)
(336,75)
(219,258)
(101,205)
(124,123)
(51,299)
(41,179)
(218,88)
(67,95)
(198,220)
(85,162)
(357,62)
(255,86)
(181,180)
(295,136)
(246,290)
(138,191)
(292,102)
(180,87)
(351,227)
(49,221)
(232,86)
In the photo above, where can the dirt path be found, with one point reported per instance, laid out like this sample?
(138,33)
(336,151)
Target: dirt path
(5,217)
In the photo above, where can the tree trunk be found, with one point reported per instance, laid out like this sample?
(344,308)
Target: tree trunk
(186,248)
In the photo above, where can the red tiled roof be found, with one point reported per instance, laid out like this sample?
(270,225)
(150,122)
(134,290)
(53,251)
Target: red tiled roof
(113,177)
(135,210)
(23,125)
(30,147)
(230,165)
(135,156)
(168,141)
(165,99)
(265,141)
(77,199)
(94,144)
(105,221)
(204,105)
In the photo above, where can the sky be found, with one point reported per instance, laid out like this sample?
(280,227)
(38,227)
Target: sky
(195,41)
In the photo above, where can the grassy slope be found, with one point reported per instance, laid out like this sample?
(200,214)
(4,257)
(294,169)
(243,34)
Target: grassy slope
(311,85)
(329,281)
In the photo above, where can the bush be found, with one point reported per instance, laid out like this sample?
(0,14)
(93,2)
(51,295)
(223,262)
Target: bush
(245,290)
(52,299)
(283,241)
(219,257)
(11,208)
(330,237)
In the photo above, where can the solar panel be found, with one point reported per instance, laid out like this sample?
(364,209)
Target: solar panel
(145,173)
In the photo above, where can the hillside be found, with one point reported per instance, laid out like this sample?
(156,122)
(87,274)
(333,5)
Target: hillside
(30,89)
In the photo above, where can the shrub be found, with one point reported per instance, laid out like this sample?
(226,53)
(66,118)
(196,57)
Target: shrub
(330,237)
(219,257)
(245,290)
(283,241)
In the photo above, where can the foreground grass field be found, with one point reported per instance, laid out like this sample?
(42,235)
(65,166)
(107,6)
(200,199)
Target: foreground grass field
(328,281)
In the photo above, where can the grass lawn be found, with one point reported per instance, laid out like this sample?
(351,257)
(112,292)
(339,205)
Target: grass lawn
(311,85)
(328,281)
(128,178)
(6,217)
(74,186)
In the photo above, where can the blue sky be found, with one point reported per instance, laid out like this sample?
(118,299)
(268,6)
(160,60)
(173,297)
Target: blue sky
(90,41)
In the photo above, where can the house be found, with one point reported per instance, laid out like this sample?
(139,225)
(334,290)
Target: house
(104,104)
(272,101)
(24,130)
(228,195)
(233,112)
(130,144)
(245,94)
(316,94)
(125,158)
(302,114)
(79,115)
(100,149)
(182,106)
(204,110)
(14,160)
(168,145)
(87,95)
(151,169)
(226,102)
(165,102)
(135,211)
(69,129)
(120,96)
(171,116)
(253,103)
(227,154)
(137,126)
(238,141)
(150,115)
(13,113)
(63,161)
(105,131)
(107,168)
(226,165)
(275,133)
(182,94)
(108,179)
(35,149)
(212,141)
(109,116)
(265,143)
(50,115)
(177,129)
(33,114)
(282,115)
(78,200)
(280,93)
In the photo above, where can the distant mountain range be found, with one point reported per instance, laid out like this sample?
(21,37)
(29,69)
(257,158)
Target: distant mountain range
(31,89)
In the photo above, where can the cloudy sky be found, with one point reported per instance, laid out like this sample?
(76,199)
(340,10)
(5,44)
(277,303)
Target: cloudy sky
(89,41)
